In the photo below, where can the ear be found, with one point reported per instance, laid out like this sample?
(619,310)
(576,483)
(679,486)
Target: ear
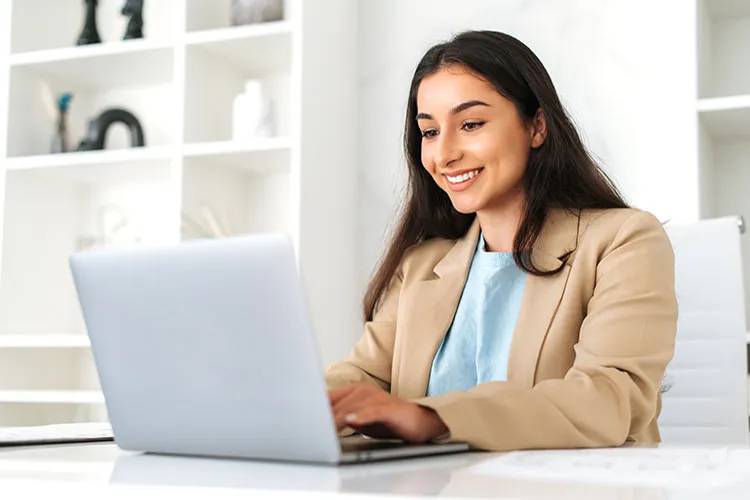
(538,129)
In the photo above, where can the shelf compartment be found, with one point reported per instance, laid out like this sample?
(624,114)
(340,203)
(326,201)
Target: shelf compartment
(241,200)
(726,117)
(254,49)
(32,111)
(38,25)
(723,9)
(217,66)
(723,47)
(22,414)
(217,14)
(44,341)
(48,369)
(53,212)
(724,174)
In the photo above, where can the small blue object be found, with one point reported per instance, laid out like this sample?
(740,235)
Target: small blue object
(64,101)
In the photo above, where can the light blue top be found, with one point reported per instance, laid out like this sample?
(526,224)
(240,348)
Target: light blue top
(475,349)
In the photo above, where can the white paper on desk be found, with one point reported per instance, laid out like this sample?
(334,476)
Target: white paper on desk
(681,467)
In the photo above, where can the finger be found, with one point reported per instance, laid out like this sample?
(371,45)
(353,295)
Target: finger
(352,403)
(377,431)
(396,417)
(367,415)
(349,404)
(336,394)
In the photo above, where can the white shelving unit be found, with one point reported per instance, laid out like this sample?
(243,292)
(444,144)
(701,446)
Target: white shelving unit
(180,80)
(723,111)
(723,116)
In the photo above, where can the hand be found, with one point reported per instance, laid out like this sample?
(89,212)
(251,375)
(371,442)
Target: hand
(374,412)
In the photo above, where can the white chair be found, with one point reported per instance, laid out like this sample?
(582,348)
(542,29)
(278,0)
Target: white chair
(706,398)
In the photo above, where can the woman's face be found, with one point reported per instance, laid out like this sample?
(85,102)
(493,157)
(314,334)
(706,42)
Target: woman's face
(474,143)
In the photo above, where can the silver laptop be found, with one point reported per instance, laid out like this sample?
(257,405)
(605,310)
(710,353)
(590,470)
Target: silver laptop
(206,348)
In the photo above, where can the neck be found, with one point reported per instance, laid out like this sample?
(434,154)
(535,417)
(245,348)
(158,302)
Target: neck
(500,223)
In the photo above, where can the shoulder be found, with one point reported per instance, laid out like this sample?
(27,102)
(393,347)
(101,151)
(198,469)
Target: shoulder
(608,229)
(610,219)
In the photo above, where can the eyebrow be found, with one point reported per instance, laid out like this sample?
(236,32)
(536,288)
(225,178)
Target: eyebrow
(456,110)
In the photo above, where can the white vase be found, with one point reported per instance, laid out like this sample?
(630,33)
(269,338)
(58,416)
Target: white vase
(256,11)
(252,113)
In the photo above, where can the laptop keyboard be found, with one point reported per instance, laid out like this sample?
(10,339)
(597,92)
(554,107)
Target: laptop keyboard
(359,443)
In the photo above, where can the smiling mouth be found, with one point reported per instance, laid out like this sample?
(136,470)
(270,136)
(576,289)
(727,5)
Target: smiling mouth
(463,178)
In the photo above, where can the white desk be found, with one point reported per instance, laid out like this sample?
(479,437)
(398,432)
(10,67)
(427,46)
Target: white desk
(103,471)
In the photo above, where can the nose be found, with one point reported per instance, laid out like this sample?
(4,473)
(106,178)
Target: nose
(446,151)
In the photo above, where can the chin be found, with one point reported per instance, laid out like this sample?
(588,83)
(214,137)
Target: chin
(465,208)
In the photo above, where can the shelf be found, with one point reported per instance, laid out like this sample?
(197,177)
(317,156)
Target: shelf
(260,155)
(52,397)
(253,49)
(102,66)
(726,117)
(95,166)
(44,341)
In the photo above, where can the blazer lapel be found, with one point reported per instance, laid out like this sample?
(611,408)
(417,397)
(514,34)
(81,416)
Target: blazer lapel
(432,306)
(542,295)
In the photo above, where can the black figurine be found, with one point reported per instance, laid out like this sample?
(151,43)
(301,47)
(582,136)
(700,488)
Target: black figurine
(134,9)
(98,127)
(89,34)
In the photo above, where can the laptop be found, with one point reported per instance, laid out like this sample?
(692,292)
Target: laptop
(206,348)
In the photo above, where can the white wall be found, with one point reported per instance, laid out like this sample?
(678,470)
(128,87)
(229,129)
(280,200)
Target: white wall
(625,70)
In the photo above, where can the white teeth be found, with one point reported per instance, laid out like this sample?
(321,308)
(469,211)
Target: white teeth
(464,177)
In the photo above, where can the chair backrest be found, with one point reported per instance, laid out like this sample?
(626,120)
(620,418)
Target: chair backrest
(706,398)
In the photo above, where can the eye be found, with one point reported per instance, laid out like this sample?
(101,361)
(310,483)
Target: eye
(471,126)
(426,134)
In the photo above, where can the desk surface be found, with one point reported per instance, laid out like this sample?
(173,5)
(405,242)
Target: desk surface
(104,471)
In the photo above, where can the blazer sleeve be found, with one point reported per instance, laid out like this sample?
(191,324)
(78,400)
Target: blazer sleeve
(612,390)
(371,358)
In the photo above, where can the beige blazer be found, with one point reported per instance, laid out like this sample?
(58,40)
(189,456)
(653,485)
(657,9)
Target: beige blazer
(589,350)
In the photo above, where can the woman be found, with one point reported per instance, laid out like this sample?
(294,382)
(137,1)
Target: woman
(521,303)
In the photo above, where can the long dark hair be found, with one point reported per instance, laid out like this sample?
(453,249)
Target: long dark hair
(559,174)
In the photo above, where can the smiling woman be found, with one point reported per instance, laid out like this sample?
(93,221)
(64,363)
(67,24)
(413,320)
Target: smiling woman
(520,303)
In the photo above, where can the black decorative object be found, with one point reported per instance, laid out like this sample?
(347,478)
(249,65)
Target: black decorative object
(98,127)
(134,9)
(89,34)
